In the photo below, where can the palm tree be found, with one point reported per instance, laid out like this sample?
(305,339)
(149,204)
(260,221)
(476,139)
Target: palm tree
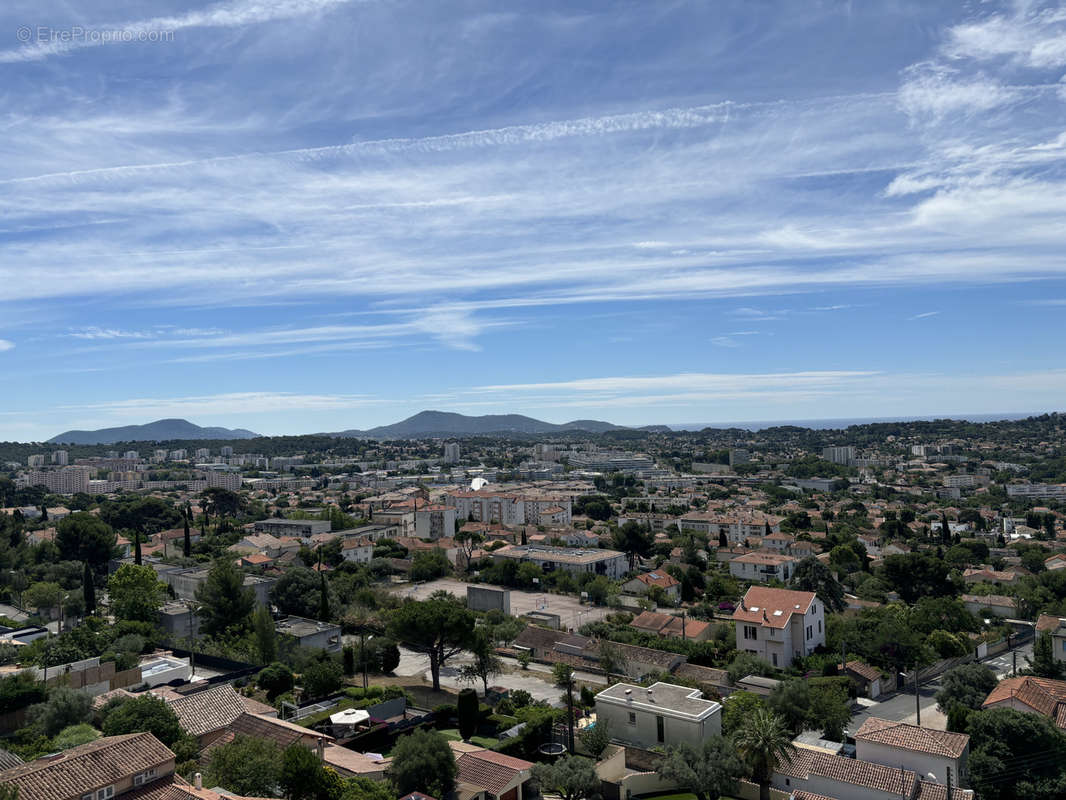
(764,741)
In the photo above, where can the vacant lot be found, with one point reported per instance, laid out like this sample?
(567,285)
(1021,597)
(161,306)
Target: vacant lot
(570,610)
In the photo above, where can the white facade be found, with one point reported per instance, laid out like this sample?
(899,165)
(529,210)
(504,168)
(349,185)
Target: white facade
(778,625)
(660,715)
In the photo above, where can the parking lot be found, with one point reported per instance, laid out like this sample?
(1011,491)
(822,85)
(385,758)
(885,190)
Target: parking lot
(571,612)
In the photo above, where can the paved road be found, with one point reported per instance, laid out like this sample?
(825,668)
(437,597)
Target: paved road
(901,707)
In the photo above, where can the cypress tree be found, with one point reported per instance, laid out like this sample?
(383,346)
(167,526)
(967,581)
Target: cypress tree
(137,548)
(88,589)
(187,550)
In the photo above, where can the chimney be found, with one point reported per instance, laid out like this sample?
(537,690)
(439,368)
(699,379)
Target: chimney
(629,695)
(198,781)
(321,749)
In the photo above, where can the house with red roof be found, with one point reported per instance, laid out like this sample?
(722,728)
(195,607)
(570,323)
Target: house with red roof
(779,625)
(643,583)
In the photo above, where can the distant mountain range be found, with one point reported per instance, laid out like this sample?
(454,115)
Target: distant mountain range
(161,430)
(426,424)
(444,423)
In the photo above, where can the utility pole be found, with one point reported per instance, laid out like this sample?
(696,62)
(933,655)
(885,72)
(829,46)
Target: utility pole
(1014,663)
(949,784)
(917,699)
(570,712)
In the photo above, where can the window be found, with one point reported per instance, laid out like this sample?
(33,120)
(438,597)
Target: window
(106,793)
(751,632)
(819,626)
(775,659)
(660,727)
(632,718)
(810,632)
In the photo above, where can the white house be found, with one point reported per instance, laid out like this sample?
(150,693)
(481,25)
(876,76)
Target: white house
(928,752)
(779,624)
(358,549)
(661,714)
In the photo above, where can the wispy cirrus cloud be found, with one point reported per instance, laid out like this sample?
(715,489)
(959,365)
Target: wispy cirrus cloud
(924,315)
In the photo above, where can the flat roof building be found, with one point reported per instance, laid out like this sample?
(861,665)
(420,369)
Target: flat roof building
(659,715)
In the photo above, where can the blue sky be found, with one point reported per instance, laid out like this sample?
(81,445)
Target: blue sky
(307,215)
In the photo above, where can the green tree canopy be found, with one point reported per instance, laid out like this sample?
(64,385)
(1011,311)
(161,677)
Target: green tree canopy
(145,712)
(966,685)
(85,537)
(440,626)
(708,771)
(423,761)
(571,778)
(811,575)
(763,741)
(225,603)
(246,766)
(136,593)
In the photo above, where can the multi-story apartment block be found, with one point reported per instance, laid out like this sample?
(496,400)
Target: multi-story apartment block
(131,455)
(763,567)
(451,453)
(226,452)
(435,522)
(35,460)
(839,455)
(611,563)
(737,529)
(202,454)
(68,480)
(178,455)
(779,625)
(60,457)
(612,462)
(511,509)
(1037,491)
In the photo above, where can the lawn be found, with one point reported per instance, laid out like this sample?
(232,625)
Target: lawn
(480,741)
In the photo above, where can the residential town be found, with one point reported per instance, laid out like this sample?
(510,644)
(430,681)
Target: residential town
(870,612)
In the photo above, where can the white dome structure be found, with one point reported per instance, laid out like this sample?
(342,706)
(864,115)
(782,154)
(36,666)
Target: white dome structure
(478,484)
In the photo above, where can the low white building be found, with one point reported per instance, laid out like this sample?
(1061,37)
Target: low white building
(779,625)
(659,715)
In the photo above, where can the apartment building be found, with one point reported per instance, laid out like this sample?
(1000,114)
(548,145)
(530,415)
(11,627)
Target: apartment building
(1037,491)
(434,522)
(451,453)
(610,563)
(512,509)
(763,566)
(68,480)
(844,455)
(611,461)
(738,529)
(299,528)
(779,624)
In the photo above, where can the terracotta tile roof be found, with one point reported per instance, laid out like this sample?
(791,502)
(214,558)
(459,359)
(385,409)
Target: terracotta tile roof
(91,766)
(760,603)
(668,624)
(863,670)
(804,763)
(927,790)
(658,578)
(912,737)
(489,770)
(208,711)
(1047,622)
(1043,695)
(8,760)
